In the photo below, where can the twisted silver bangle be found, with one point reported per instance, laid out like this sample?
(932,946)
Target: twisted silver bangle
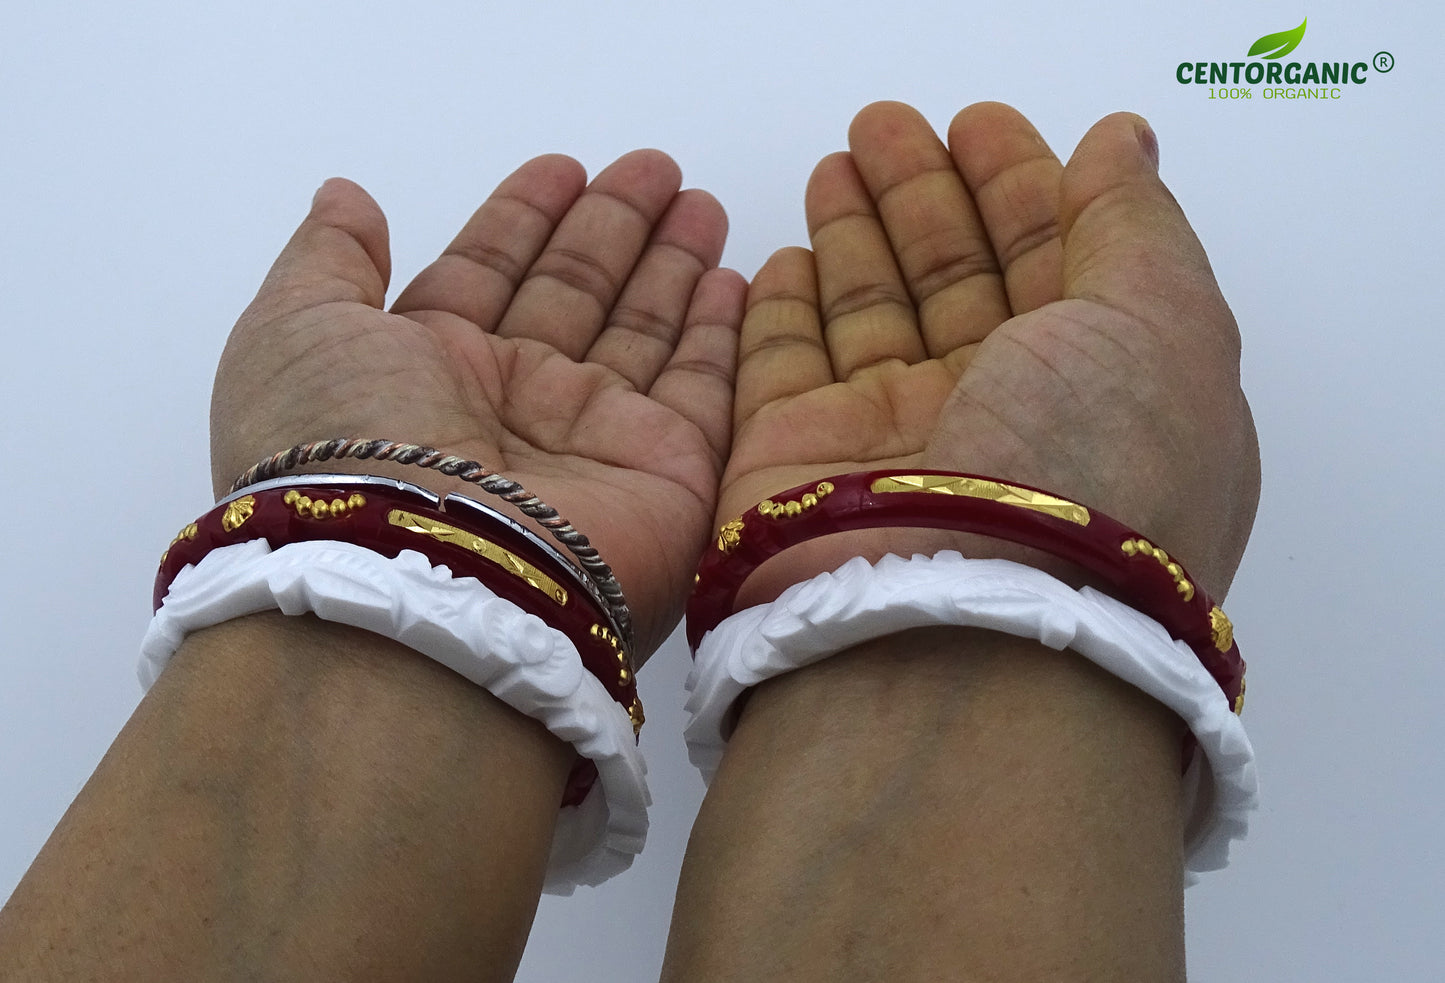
(339,448)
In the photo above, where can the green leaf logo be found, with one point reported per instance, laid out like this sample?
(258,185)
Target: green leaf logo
(1284,41)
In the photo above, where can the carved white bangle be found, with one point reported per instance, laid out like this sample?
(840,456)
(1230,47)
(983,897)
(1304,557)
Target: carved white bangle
(859,601)
(460,623)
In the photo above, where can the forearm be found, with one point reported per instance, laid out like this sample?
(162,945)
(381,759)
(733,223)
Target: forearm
(943,804)
(297,800)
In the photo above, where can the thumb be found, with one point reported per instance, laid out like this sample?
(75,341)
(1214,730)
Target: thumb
(1127,243)
(340,253)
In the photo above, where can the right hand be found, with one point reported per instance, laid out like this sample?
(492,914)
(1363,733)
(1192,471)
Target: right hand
(575,337)
(989,310)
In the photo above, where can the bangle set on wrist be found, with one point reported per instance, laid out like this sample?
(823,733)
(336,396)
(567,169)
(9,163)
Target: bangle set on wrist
(388,516)
(1162,634)
(463,541)
(417,455)
(1141,573)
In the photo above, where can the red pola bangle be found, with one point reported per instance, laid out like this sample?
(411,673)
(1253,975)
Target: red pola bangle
(389,516)
(1140,573)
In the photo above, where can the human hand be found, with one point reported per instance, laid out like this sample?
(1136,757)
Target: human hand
(983,308)
(578,340)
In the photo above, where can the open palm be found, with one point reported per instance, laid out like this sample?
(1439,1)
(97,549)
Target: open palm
(574,337)
(983,308)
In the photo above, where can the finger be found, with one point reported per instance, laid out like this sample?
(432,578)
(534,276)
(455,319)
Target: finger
(648,317)
(1014,179)
(340,253)
(477,275)
(935,230)
(1127,244)
(867,312)
(697,381)
(567,294)
(780,350)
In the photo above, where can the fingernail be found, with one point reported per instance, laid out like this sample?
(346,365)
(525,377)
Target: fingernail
(1150,144)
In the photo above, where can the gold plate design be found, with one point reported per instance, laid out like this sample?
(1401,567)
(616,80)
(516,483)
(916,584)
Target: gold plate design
(994,491)
(504,558)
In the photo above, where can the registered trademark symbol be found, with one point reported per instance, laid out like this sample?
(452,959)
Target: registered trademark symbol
(1384,61)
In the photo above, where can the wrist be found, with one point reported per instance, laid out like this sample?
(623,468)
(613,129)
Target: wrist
(269,659)
(954,770)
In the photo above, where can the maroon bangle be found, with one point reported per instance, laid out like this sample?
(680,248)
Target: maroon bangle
(1139,573)
(389,516)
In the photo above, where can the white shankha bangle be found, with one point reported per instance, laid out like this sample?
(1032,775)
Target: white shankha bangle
(458,622)
(860,601)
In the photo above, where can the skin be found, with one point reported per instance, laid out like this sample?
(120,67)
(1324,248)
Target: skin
(954,804)
(296,800)
(576,337)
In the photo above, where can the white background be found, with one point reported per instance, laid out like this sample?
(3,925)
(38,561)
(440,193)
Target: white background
(155,156)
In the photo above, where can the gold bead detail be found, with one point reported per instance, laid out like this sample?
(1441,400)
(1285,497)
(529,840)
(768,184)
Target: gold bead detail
(1142,547)
(189,532)
(808,500)
(634,713)
(320,508)
(1239,700)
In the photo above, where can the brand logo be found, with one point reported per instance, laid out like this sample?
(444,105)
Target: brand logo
(1281,80)
(1281,44)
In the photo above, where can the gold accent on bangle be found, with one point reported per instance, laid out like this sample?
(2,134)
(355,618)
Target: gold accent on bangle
(189,532)
(320,509)
(488,550)
(994,491)
(1223,630)
(728,537)
(780,510)
(1143,547)
(238,512)
(1239,700)
(624,665)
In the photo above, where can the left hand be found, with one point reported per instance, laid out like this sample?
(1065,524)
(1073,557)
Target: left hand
(980,307)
